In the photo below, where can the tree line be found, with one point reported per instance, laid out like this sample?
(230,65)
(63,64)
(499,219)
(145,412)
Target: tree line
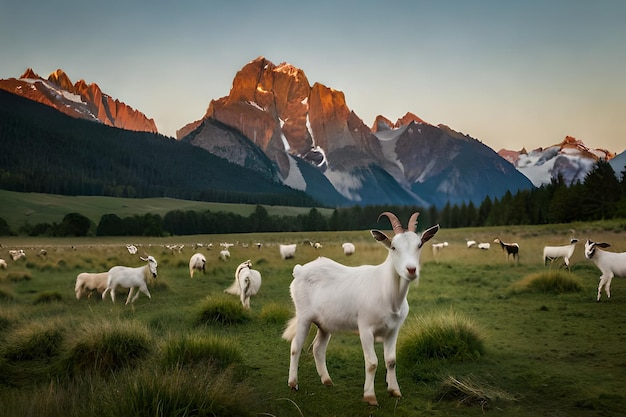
(600,196)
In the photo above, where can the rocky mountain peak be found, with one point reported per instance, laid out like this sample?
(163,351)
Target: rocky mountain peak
(80,100)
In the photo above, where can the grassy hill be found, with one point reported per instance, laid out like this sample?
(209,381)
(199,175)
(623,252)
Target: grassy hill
(33,208)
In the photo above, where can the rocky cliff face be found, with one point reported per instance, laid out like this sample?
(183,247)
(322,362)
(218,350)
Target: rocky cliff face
(80,100)
(409,162)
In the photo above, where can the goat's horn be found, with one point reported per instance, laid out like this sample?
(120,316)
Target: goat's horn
(395,223)
(413,222)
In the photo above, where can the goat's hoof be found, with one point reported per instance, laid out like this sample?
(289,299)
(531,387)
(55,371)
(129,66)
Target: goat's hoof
(370,400)
(328,382)
(293,386)
(395,393)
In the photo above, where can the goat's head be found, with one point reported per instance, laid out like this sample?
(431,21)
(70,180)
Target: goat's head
(590,248)
(152,264)
(405,246)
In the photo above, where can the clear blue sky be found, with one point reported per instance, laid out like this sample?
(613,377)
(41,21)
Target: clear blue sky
(512,74)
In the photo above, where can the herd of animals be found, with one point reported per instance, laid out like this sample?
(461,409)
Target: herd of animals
(368,299)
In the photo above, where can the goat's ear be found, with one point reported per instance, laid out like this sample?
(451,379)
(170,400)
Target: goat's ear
(603,245)
(428,234)
(381,237)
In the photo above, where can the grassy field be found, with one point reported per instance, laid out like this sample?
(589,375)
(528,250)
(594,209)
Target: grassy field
(33,208)
(547,352)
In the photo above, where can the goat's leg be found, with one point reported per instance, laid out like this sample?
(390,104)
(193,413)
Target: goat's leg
(607,286)
(389,349)
(297,342)
(601,284)
(319,353)
(371,363)
(143,288)
(130,294)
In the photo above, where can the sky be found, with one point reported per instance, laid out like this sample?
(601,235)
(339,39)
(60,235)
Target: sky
(512,74)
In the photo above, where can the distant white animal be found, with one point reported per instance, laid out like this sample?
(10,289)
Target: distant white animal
(471,243)
(17,254)
(348,248)
(132,249)
(224,254)
(611,264)
(132,278)
(368,299)
(484,245)
(3,264)
(552,253)
(437,247)
(247,283)
(287,251)
(197,262)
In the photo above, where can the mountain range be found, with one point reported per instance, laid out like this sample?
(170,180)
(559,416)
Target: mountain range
(278,125)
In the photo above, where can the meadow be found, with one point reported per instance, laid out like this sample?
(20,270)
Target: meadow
(191,350)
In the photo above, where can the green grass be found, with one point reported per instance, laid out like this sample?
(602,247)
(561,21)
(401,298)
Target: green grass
(192,350)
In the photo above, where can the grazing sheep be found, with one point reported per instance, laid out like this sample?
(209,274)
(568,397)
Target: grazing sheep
(132,249)
(247,283)
(610,264)
(287,251)
(471,243)
(224,254)
(3,264)
(87,282)
(368,299)
(128,277)
(17,254)
(484,245)
(437,247)
(197,262)
(348,248)
(552,253)
(510,248)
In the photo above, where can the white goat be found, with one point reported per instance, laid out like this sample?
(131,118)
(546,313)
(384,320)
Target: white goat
(247,283)
(471,243)
(197,262)
(610,264)
(484,245)
(132,249)
(437,247)
(287,251)
(3,264)
(128,277)
(224,254)
(552,253)
(348,248)
(367,298)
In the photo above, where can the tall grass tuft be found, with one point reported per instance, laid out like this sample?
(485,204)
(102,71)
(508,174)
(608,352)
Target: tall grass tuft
(274,313)
(188,350)
(34,341)
(471,391)
(19,276)
(48,297)
(447,336)
(222,309)
(105,347)
(551,281)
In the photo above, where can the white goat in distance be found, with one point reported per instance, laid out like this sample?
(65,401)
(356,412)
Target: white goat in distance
(247,283)
(610,264)
(128,277)
(552,253)
(367,298)
(197,262)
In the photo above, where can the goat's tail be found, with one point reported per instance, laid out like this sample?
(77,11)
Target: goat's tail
(290,330)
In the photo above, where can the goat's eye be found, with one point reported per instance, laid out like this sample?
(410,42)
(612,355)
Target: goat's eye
(393,248)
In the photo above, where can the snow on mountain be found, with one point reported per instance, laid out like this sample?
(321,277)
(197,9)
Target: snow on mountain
(571,159)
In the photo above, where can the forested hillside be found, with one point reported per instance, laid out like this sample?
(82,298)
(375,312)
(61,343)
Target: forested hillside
(45,151)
